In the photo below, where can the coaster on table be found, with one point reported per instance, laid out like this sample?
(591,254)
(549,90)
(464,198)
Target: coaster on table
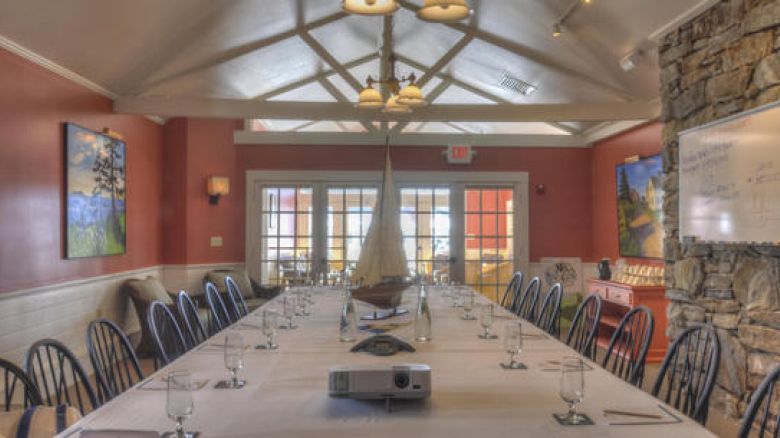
(488,337)
(225,384)
(517,366)
(562,419)
(265,347)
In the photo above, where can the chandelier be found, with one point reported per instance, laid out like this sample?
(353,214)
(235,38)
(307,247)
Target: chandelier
(402,98)
(440,11)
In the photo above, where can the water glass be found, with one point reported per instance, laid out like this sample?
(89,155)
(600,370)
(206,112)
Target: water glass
(270,323)
(234,358)
(455,295)
(572,389)
(178,403)
(289,303)
(468,305)
(486,314)
(513,344)
(298,298)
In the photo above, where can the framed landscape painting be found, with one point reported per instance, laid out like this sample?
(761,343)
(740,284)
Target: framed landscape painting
(640,200)
(95,193)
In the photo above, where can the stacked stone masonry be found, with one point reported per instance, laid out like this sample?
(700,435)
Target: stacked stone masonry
(723,62)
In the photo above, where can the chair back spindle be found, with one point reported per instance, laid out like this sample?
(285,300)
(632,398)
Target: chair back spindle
(194,329)
(238,305)
(19,391)
(762,417)
(60,379)
(512,290)
(526,307)
(112,356)
(688,372)
(627,350)
(168,338)
(220,318)
(549,318)
(584,327)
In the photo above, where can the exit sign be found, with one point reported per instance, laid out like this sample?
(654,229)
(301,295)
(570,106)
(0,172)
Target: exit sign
(458,154)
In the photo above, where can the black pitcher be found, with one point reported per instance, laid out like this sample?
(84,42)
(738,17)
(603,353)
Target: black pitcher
(604,272)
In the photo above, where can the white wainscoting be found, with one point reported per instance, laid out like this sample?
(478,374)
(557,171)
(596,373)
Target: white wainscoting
(63,311)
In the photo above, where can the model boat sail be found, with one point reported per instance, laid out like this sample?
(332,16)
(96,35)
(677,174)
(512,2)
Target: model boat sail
(382,273)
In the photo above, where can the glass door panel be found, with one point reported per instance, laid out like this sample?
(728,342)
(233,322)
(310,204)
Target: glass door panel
(349,217)
(489,242)
(286,239)
(425,224)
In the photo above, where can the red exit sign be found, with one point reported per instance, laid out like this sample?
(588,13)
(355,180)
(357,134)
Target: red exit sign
(458,154)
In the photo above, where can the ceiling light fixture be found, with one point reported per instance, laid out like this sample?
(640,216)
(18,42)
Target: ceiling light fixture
(444,11)
(557,28)
(401,100)
(369,7)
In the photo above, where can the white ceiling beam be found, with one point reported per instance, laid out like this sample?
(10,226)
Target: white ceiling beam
(446,59)
(606,130)
(248,109)
(681,19)
(412,139)
(530,54)
(314,78)
(339,96)
(239,51)
(330,60)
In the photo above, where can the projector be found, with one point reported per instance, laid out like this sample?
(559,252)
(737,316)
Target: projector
(380,382)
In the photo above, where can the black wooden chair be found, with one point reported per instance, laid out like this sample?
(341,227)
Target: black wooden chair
(19,391)
(112,356)
(759,413)
(526,307)
(238,305)
(60,379)
(195,331)
(584,327)
(220,318)
(627,350)
(549,318)
(512,290)
(166,334)
(688,372)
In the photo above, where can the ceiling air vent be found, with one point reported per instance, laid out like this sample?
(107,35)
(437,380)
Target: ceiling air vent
(517,85)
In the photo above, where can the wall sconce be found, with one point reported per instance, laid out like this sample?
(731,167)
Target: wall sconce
(217,186)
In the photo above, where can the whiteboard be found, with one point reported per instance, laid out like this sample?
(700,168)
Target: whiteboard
(730,179)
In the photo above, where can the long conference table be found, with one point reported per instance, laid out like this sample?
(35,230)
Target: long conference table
(287,389)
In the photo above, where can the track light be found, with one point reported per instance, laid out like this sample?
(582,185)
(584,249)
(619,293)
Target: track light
(556,30)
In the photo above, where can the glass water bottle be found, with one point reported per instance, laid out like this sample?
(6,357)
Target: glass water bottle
(348,320)
(422,321)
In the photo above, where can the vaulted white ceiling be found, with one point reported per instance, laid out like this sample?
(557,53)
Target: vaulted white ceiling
(269,58)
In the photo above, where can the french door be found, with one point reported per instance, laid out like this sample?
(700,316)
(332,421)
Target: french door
(470,227)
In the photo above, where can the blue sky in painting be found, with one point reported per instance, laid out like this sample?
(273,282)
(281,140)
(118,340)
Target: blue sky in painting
(83,147)
(639,173)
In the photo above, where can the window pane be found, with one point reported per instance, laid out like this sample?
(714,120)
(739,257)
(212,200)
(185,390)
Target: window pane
(350,217)
(286,240)
(489,200)
(287,199)
(304,200)
(369,199)
(336,200)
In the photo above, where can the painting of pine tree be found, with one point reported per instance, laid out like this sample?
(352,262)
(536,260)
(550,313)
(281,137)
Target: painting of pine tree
(95,193)
(640,208)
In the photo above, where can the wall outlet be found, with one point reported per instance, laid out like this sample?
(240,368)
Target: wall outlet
(216,241)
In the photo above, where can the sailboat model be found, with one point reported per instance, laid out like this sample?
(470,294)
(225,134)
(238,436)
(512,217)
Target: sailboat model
(382,273)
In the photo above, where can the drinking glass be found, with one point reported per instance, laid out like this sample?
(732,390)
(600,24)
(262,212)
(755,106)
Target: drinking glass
(486,313)
(234,358)
(572,389)
(513,343)
(289,304)
(468,305)
(299,304)
(269,324)
(179,404)
(455,295)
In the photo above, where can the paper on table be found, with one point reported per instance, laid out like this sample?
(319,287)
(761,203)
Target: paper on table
(625,420)
(109,433)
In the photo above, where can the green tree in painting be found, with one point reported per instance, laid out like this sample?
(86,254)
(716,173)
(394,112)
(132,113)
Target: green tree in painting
(624,190)
(109,175)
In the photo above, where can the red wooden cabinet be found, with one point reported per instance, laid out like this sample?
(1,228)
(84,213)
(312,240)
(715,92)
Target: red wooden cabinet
(618,299)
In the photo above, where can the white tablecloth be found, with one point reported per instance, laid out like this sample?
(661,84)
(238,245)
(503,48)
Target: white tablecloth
(286,394)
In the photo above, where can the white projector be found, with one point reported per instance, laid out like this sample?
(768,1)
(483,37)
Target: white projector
(380,382)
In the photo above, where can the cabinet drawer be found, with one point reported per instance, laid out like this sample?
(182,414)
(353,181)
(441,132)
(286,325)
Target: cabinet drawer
(620,296)
(600,291)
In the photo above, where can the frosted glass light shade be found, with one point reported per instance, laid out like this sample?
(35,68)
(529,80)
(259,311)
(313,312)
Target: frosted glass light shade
(411,95)
(369,7)
(444,11)
(370,98)
(393,106)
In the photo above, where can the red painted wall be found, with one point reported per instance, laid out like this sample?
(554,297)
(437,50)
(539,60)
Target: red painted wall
(643,141)
(561,219)
(34,104)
